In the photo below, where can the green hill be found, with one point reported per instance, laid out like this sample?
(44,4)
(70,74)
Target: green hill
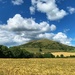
(36,48)
(46,46)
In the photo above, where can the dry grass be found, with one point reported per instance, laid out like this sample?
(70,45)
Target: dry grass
(54,66)
(64,53)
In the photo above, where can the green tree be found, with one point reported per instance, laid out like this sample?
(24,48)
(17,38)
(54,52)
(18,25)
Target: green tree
(16,52)
(26,54)
(38,55)
(40,50)
(4,51)
(57,56)
(48,55)
(61,56)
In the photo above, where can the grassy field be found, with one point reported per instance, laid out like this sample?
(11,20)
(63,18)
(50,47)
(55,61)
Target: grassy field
(55,66)
(35,50)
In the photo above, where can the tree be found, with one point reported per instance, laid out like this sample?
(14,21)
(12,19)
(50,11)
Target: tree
(38,55)
(16,52)
(26,54)
(61,56)
(48,55)
(40,50)
(3,51)
(57,56)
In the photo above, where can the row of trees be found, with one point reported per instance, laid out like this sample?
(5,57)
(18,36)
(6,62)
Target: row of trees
(16,52)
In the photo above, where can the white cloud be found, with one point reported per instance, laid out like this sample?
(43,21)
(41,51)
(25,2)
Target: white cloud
(48,7)
(20,24)
(32,10)
(71,10)
(53,27)
(62,38)
(19,30)
(6,38)
(11,39)
(17,2)
(59,37)
(46,35)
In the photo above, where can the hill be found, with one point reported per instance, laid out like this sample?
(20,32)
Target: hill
(46,46)
(37,48)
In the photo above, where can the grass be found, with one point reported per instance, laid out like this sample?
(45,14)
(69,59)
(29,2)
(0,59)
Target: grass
(58,66)
(35,50)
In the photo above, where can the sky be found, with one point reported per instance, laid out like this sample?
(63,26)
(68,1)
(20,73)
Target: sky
(24,20)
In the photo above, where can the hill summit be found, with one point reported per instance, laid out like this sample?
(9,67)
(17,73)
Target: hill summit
(46,44)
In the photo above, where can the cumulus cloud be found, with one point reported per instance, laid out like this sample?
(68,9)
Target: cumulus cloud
(17,2)
(6,38)
(19,30)
(32,10)
(46,35)
(71,10)
(59,37)
(53,27)
(62,38)
(20,24)
(11,39)
(49,7)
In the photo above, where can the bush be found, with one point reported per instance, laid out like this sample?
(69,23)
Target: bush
(57,56)
(40,50)
(38,55)
(72,56)
(26,54)
(61,56)
(48,55)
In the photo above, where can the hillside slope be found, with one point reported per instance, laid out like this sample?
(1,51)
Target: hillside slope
(46,44)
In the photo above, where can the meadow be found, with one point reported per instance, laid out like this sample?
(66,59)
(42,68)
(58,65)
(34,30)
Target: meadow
(40,66)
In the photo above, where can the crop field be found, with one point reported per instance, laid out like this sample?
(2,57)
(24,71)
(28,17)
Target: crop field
(64,53)
(42,66)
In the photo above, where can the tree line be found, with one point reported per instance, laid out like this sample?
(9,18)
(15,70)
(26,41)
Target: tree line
(17,52)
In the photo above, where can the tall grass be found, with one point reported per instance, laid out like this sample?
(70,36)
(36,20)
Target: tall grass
(58,66)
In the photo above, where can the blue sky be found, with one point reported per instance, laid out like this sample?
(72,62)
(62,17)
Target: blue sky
(24,20)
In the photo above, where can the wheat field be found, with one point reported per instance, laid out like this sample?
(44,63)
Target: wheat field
(64,53)
(42,66)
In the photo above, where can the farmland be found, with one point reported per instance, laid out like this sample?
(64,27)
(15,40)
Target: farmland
(64,53)
(41,66)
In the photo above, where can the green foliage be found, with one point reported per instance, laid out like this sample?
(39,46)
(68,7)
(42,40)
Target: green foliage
(16,52)
(61,56)
(48,55)
(57,56)
(72,56)
(26,54)
(4,51)
(38,55)
(40,50)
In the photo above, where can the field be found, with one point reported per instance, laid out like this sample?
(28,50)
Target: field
(64,53)
(55,66)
